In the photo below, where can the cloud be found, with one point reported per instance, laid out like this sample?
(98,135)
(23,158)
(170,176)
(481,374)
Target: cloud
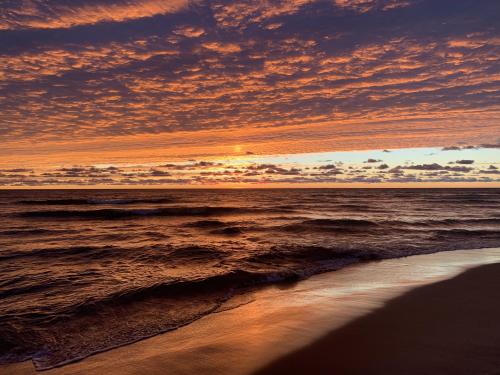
(242,13)
(436,167)
(62,14)
(490,145)
(425,167)
(16,170)
(189,31)
(471,147)
(222,47)
(157,173)
(93,81)
(223,172)
(490,171)
(363,6)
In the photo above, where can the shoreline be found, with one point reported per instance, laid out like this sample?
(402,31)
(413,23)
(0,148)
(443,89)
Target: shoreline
(259,328)
(447,327)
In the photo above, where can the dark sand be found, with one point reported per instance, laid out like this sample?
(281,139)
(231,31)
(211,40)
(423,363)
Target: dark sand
(449,327)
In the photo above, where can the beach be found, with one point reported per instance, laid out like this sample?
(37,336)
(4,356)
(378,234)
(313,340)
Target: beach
(450,327)
(431,314)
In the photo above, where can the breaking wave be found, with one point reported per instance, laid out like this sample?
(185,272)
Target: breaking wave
(90,201)
(115,213)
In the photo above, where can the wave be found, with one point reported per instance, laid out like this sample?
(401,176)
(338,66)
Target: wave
(467,233)
(194,252)
(357,223)
(312,254)
(55,341)
(173,255)
(228,231)
(112,213)
(446,222)
(26,289)
(36,232)
(331,225)
(88,251)
(465,200)
(217,227)
(356,207)
(169,273)
(92,201)
(206,224)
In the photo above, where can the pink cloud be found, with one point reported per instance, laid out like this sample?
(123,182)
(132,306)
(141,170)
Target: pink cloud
(38,14)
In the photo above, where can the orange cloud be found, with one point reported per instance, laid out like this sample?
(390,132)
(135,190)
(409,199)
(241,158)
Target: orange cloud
(189,31)
(363,6)
(222,47)
(37,14)
(272,76)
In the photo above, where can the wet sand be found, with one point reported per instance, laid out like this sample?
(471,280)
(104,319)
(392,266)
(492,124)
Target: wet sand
(449,327)
(281,329)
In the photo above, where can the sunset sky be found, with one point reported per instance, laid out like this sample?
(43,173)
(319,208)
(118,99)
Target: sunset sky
(249,93)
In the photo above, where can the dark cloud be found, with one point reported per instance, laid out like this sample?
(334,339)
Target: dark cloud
(490,145)
(424,167)
(458,169)
(198,173)
(470,147)
(328,166)
(16,170)
(437,167)
(490,171)
(158,173)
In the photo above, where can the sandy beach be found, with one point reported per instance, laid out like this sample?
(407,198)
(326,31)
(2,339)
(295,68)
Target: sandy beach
(449,327)
(374,319)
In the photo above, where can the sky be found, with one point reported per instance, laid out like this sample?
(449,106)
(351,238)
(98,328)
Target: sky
(249,93)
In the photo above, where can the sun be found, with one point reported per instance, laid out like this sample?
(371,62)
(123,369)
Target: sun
(237,148)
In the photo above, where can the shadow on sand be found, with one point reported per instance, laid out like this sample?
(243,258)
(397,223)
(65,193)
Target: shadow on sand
(450,327)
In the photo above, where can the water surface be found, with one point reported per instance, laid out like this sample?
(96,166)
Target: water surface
(86,271)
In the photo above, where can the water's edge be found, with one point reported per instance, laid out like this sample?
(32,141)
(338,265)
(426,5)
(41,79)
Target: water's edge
(241,291)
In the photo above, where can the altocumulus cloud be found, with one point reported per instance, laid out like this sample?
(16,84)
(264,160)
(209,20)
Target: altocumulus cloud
(279,75)
(56,14)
